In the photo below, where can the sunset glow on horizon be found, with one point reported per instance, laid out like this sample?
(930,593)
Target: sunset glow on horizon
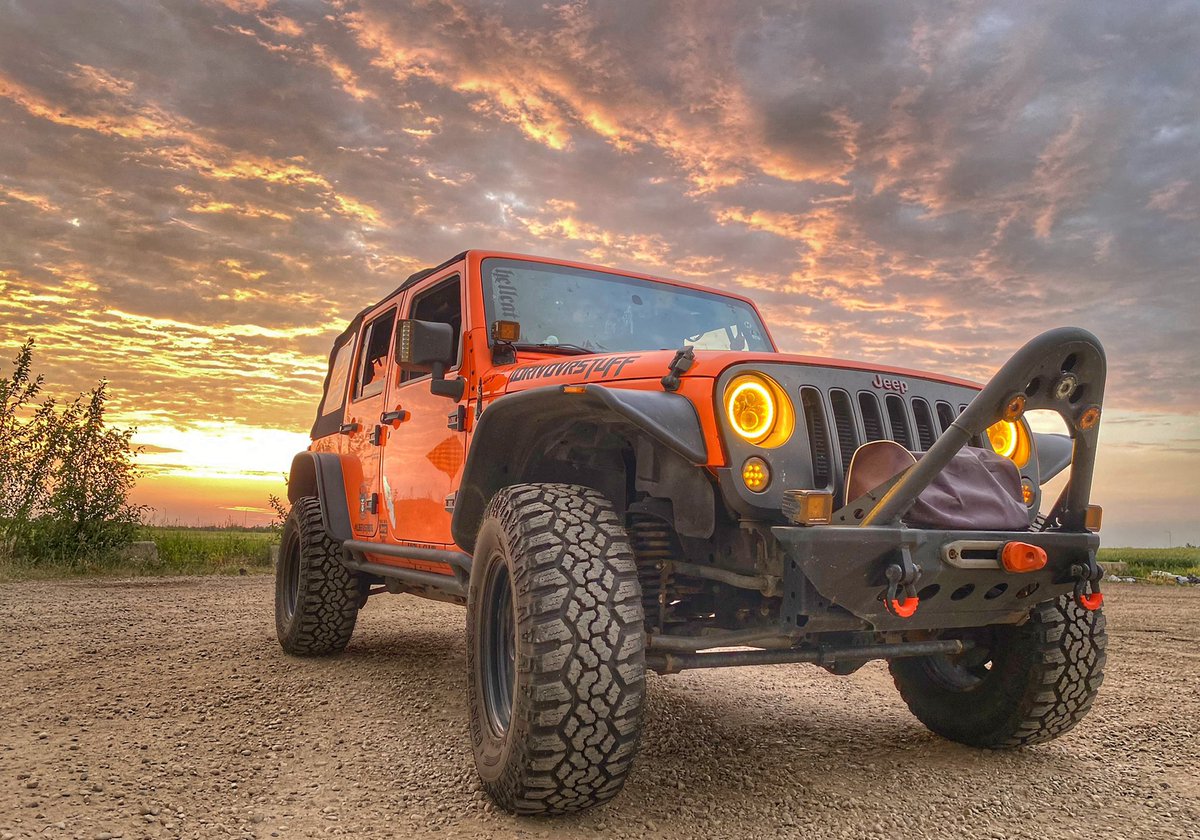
(195,197)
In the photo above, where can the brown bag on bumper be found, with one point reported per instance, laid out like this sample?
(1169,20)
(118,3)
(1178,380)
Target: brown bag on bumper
(978,490)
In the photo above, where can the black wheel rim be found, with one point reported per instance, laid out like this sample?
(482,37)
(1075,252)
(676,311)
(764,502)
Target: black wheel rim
(499,638)
(289,570)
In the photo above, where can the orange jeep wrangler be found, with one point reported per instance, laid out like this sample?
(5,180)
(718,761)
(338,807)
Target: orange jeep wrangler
(616,472)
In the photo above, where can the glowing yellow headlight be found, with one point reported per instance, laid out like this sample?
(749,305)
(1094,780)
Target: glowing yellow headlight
(1010,440)
(759,410)
(751,409)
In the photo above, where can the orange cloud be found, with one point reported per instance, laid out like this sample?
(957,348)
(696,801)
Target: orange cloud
(181,144)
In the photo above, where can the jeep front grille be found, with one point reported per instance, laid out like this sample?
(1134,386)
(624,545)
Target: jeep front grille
(898,419)
(843,421)
(926,432)
(872,422)
(818,436)
(913,421)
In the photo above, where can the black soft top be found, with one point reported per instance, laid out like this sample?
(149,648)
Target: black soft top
(328,424)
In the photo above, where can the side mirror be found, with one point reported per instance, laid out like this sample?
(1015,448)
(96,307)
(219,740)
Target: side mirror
(428,347)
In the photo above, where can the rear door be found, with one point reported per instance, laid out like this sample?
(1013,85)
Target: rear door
(372,370)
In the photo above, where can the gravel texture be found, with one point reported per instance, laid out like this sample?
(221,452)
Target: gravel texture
(165,708)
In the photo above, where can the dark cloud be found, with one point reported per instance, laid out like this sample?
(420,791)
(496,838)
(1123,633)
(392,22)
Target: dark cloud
(194,195)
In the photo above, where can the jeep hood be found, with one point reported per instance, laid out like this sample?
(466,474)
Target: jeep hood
(534,370)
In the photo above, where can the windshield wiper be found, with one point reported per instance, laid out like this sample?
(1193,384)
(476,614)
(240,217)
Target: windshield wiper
(567,349)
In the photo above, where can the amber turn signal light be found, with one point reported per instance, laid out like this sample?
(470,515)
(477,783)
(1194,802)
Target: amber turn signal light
(506,331)
(1088,418)
(1014,407)
(808,507)
(756,474)
(1023,557)
(1028,494)
(1092,517)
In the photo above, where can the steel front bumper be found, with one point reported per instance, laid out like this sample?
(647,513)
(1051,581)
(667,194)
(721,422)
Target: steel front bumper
(846,567)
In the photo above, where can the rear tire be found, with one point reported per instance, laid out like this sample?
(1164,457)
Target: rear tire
(316,596)
(1028,685)
(555,650)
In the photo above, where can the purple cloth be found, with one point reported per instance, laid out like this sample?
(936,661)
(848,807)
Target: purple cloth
(978,490)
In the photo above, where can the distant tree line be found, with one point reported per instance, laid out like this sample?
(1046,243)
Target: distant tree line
(65,474)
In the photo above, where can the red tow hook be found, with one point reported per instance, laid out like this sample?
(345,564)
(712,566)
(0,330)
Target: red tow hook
(904,608)
(1088,577)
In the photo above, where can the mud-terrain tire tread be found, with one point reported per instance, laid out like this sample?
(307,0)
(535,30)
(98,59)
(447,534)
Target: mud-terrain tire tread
(328,598)
(580,683)
(1054,667)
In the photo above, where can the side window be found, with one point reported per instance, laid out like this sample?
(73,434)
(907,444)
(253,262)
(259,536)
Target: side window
(373,363)
(442,304)
(339,374)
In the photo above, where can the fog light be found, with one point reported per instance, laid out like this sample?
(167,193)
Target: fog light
(808,507)
(756,474)
(506,331)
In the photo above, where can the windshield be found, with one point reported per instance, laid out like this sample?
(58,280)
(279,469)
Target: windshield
(580,310)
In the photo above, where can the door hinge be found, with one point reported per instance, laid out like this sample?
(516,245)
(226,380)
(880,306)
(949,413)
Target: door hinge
(368,503)
(449,503)
(377,436)
(457,419)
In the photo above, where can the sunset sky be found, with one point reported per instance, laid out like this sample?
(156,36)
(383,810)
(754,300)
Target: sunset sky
(196,196)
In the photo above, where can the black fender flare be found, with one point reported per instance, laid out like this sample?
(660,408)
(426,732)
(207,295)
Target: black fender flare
(322,474)
(1053,454)
(512,425)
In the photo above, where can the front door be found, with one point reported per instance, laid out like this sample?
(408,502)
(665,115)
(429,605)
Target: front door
(423,455)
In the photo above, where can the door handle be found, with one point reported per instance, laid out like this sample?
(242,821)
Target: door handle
(347,428)
(393,417)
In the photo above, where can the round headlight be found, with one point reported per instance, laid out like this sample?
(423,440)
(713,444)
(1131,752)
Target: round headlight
(751,408)
(1010,440)
(758,410)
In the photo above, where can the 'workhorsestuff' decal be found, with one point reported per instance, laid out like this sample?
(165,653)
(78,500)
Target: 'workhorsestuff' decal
(604,367)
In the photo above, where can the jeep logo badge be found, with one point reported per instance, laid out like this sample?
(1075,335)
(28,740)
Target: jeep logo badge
(889,384)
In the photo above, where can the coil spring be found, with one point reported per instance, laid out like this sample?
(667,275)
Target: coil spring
(652,547)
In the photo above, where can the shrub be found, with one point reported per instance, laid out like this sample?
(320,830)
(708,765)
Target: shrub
(65,475)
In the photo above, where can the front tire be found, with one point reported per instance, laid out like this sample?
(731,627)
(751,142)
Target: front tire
(1024,685)
(555,650)
(316,596)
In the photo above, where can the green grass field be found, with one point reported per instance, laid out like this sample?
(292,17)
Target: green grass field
(231,551)
(181,551)
(211,551)
(1141,561)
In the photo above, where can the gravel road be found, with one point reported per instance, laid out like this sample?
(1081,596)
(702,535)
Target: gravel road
(164,708)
